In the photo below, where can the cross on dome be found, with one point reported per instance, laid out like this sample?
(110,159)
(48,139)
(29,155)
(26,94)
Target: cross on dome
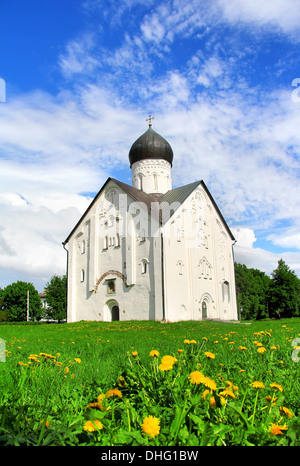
(150,118)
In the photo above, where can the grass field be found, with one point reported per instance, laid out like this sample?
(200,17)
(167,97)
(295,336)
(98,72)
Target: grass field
(94,383)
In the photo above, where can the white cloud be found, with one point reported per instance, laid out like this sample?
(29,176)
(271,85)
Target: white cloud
(282,14)
(245,237)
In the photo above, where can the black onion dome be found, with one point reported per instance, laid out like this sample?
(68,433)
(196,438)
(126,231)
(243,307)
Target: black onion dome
(150,145)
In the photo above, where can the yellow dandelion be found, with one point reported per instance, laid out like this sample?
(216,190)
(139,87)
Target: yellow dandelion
(270,399)
(196,377)
(276,429)
(209,383)
(180,350)
(258,384)
(187,342)
(242,348)
(273,347)
(205,338)
(92,426)
(168,360)
(261,349)
(193,342)
(163,367)
(113,392)
(209,355)
(286,411)
(205,393)
(212,401)
(67,370)
(154,353)
(151,426)
(276,385)
(134,354)
(121,381)
(78,360)
(227,392)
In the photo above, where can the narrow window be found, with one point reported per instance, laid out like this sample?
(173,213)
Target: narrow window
(105,246)
(155,181)
(144,266)
(82,276)
(83,247)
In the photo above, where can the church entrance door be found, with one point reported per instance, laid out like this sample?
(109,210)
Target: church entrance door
(204,310)
(115,313)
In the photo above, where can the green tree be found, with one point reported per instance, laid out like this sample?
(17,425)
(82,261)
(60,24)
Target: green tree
(252,287)
(56,298)
(284,293)
(16,297)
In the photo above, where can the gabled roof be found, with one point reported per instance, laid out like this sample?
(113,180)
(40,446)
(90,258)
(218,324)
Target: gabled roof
(177,195)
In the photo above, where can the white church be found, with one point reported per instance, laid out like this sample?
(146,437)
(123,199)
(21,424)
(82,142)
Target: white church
(150,252)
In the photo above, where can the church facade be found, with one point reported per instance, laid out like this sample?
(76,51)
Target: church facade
(150,252)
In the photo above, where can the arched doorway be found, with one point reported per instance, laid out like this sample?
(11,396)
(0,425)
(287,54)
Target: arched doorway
(111,311)
(204,310)
(115,313)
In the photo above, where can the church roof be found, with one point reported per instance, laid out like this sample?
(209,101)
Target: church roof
(150,145)
(177,195)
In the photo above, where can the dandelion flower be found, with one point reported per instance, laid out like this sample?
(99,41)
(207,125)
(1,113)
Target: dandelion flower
(209,383)
(276,385)
(212,402)
(187,342)
(154,353)
(113,392)
(276,429)
(92,426)
(134,354)
(193,342)
(67,370)
(242,348)
(258,384)
(196,377)
(261,349)
(209,355)
(227,392)
(180,350)
(168,360)
(286,411)
(151,426)
(78,360)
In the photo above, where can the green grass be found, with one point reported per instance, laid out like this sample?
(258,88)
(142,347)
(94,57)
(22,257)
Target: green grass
(89,357)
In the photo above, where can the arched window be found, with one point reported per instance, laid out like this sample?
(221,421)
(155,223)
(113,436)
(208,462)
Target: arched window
(155,181)
(144,266)
(226,291)
(82,247)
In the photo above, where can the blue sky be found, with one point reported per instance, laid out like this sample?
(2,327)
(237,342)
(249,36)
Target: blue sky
(81,77)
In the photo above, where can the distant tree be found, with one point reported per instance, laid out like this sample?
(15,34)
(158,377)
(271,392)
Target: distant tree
(252,287)
(14,301)
(56,298)
(284,292)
